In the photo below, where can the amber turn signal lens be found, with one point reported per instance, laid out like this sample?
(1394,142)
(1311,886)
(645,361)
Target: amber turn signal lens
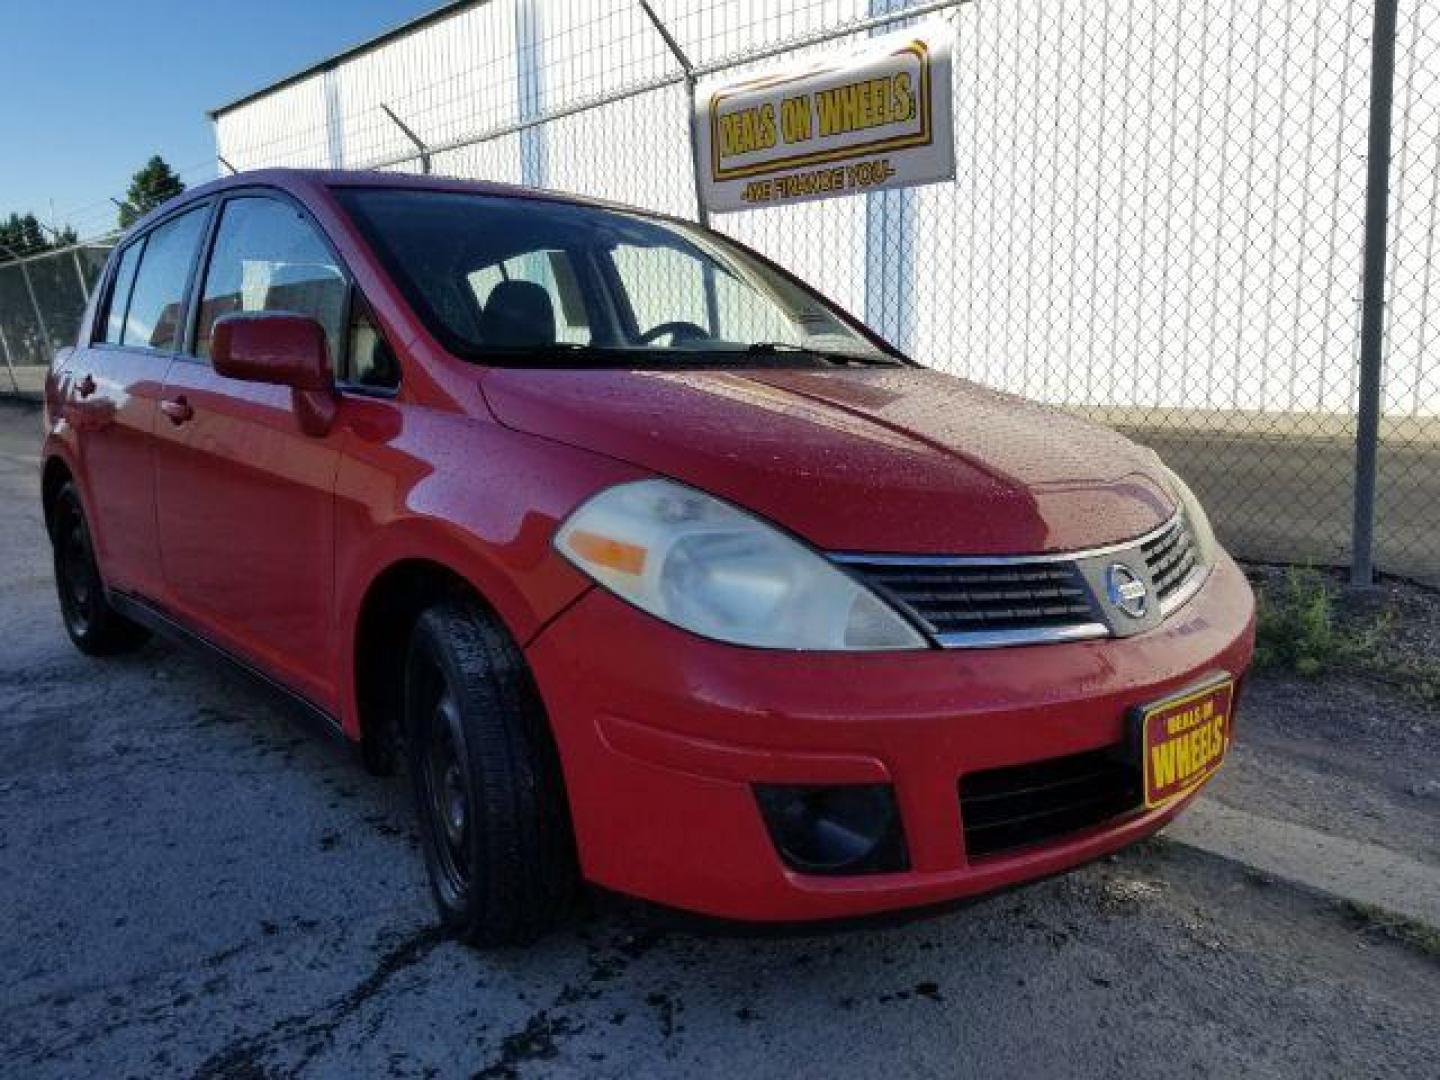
(613,554)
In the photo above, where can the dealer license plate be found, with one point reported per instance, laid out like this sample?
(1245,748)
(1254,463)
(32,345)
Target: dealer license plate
(1184,738)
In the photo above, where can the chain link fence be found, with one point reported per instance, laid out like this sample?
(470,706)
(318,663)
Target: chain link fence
(1407,523)
(1159,218)
(41,301)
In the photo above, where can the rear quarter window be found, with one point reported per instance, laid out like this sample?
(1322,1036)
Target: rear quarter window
(119,300)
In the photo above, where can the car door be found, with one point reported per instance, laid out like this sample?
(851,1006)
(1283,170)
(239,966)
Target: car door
(114,390)
(244,498)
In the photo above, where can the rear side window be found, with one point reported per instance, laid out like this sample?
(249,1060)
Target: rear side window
(268,257)
(153,316)
(120,293)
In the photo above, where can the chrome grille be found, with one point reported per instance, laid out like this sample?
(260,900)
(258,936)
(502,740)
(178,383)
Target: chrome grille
(983,599)
(1170,558)
(977,601)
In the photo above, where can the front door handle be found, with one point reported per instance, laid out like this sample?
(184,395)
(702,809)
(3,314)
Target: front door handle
(177,409)
(86,386)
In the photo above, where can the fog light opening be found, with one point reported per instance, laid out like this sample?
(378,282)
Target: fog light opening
(835,828)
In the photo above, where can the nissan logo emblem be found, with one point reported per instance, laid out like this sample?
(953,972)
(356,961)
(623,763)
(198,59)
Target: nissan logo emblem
(1127,591)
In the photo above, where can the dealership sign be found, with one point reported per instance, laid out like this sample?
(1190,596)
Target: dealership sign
(876,116)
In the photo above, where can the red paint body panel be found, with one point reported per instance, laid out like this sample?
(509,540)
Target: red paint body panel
(112,429)
(213,499)
(244,501)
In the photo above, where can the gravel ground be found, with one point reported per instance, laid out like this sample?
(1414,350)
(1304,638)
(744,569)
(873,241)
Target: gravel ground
(191,885)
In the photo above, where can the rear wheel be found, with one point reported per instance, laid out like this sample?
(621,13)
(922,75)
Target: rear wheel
(487,783)
(94,626)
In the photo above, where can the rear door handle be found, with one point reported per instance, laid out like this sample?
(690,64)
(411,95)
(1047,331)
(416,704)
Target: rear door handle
(86,386)
(177,409)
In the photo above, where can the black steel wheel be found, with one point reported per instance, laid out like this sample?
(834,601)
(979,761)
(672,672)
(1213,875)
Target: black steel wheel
(94,626)
(494,820)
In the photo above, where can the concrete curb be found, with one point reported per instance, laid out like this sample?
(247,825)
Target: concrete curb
(1349,869)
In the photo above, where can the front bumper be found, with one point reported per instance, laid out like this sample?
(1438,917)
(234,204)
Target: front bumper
(663,734)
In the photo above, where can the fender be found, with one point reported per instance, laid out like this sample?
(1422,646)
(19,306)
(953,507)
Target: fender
(60,441)
(59,446)
(464,493)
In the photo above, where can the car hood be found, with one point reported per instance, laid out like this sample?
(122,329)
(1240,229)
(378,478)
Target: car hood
(903,460)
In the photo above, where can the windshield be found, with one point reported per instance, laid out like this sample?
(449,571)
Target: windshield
(518,281)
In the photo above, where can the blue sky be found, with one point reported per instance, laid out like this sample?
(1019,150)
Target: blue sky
(91,88)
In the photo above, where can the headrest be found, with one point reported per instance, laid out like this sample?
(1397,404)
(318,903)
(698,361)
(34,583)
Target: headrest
(518,313)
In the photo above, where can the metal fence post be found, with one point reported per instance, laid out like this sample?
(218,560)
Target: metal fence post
(530,45)
(9,363)
(80,274)
(409,134)
(1372,304)
(35,303)
(701,214)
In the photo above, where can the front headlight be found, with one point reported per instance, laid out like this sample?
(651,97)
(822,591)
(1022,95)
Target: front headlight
(704,565)
(1207,548)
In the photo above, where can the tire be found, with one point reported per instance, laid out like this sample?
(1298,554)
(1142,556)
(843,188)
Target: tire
(95,627)
(494,820)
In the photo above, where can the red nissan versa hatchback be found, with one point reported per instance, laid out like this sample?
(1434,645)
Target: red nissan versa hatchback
(655,567)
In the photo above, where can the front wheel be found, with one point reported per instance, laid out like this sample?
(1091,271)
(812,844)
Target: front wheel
(494,820)
(94,626)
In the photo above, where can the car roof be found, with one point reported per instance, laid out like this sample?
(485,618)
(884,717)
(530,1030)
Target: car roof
(302,181)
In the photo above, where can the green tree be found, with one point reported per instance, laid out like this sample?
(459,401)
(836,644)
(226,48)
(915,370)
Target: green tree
(22,234)
(155,183)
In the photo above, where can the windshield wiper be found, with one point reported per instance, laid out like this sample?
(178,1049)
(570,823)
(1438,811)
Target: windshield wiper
(562,354)
(834,356)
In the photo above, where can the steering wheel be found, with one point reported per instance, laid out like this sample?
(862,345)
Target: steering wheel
(678,329)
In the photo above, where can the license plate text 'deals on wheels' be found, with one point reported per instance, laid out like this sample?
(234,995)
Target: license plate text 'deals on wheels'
(1183,740)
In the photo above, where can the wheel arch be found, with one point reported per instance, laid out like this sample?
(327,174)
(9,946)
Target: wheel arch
(54,475)
(392,601)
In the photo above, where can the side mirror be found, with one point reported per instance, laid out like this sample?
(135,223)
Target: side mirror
(284,350)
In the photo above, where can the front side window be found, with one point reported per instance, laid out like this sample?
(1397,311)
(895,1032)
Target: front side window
(157,300)
(519,281)
(268,257)
(369,359)
(120,293)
